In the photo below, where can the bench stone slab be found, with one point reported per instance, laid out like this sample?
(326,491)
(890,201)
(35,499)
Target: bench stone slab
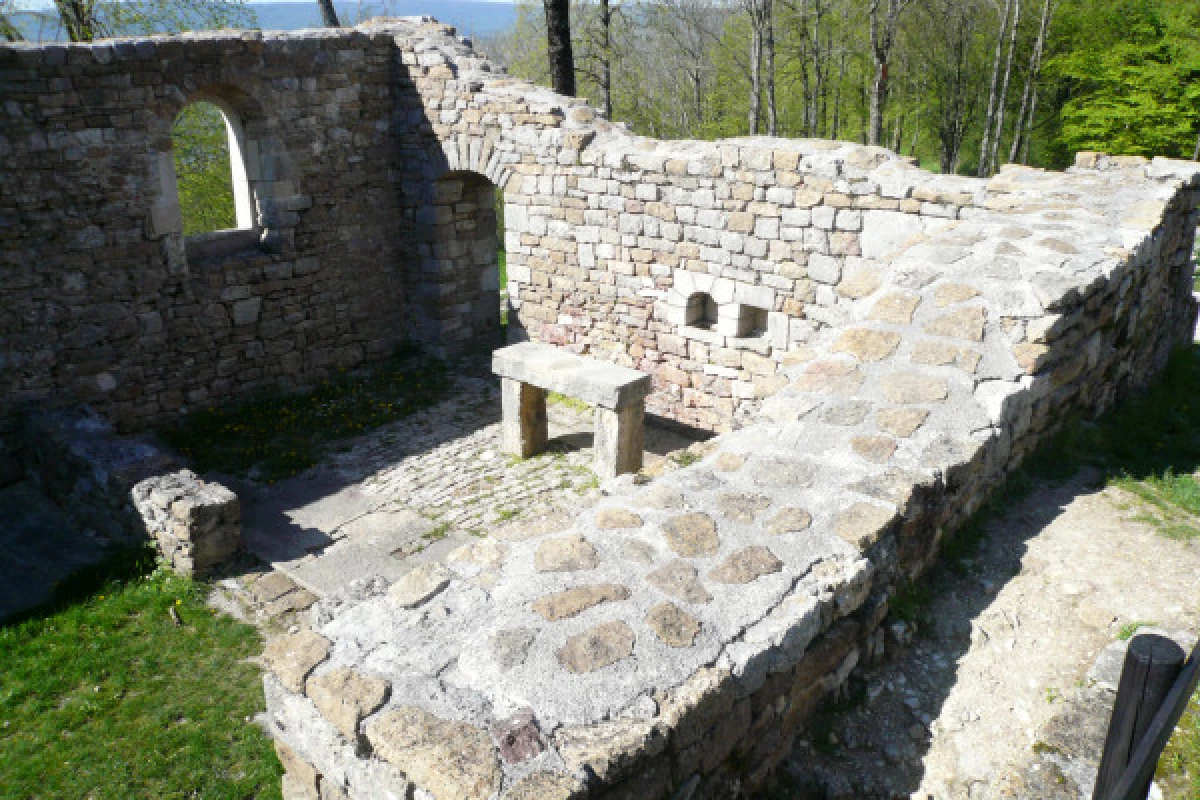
(599,384)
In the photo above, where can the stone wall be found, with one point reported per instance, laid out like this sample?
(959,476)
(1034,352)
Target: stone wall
(673,640)
(103,302)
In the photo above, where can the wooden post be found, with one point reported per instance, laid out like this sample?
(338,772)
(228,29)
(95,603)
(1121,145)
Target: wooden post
(1152,663)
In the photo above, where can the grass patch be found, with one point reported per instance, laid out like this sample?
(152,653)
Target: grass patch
(685,458)
(103,696)
(911,600)
(556,399)
(276,435)
(1130,628)
(1179,768)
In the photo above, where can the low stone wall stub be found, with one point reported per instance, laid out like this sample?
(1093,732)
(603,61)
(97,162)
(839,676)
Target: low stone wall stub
(196,524)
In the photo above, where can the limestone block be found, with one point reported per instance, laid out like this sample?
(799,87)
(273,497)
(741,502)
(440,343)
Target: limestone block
(554,369)
(345,697)
(293,657)
(597,647)
(619,441)
(524,428)
(447,759)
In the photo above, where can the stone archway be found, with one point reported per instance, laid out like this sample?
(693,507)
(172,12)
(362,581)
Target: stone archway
(458,302)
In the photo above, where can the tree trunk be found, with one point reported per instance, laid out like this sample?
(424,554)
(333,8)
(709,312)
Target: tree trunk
(558,46)
(1029,126)
(878,98)
(769,48)
(1003,99)
(883,36)
(990,119)
(1196,154)
(329,17)
(755,77)
(78,19)
(1035,67)
(606,57)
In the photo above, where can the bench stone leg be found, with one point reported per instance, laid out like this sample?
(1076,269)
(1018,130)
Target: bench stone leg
(619,440)
(523,429)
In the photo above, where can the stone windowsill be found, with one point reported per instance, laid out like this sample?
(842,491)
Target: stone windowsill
(221,244)
(760,344)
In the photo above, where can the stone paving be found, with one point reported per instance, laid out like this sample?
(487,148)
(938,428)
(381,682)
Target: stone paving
(414,490)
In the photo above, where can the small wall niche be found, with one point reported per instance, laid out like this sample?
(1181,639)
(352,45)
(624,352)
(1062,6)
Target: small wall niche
(751,321)
(701,311)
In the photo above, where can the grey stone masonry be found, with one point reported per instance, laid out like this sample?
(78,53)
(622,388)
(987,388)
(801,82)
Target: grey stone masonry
(196,524)
(127,488)
(528,370)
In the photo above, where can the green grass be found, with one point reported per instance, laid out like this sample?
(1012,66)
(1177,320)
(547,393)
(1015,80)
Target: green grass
(686,458)
(556,399)
(1179,768)
(103,696)
(275,435)
(1130,628)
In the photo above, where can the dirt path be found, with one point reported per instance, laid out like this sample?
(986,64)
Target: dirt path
(1053,582)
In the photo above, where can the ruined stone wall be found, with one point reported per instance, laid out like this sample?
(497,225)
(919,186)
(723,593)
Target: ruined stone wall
(103,302)
(674,640)
(885,346)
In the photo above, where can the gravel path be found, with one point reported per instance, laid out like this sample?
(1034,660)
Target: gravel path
(1052,584)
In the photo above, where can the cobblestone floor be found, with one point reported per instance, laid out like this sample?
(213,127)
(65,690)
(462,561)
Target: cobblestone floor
(445,462)
(416,488)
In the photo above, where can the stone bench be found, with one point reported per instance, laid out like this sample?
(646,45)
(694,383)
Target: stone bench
(528,370)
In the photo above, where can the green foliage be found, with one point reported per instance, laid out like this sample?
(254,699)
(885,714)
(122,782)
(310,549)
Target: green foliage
(202,169)
(1179,768)
(276,436)
(1131,73)
(1130,628)
(104,697)
(145,17)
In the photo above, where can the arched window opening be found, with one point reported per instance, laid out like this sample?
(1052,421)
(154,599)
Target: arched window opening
(210,172)
(701,311)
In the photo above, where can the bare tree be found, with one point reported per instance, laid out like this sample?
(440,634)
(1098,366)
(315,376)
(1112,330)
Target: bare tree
(1003,99)
(691,29)
(1028,95)
(950,73)
(989,120)
(80,19)
(597,50)
(760,13)
(884,18)
(329,17)
(558,41)
(769,52)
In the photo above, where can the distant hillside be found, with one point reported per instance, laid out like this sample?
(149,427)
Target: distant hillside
(471,17)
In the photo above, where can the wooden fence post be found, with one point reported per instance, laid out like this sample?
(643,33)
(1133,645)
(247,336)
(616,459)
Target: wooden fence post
(1152,663)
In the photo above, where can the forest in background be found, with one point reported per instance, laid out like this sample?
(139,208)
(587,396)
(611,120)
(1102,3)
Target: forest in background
(963,85)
